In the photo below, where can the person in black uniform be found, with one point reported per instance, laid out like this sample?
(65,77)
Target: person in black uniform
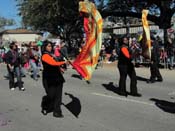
(154,65)
(126,67)
(13,67)
(52,81)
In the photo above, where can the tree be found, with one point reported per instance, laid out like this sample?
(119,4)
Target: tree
(6,22)
(161,11)
(59,17)
(62,16)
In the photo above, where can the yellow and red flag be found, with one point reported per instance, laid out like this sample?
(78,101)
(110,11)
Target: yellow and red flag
(87,60)
(146,43)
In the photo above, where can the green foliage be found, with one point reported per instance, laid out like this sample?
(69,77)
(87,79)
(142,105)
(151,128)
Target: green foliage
(60,17)
(160,11)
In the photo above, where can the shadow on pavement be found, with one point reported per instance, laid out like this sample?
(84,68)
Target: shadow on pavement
(77,76)
(111,87)
(142,78)
(74,106)
(164,105)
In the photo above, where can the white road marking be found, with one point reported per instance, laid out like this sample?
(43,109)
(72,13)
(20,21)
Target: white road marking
(171,93)
(124,99)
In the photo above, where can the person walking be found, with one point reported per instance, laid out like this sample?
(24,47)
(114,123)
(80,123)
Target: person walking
(126,67)
(52,82)
(13,67)
(154,65)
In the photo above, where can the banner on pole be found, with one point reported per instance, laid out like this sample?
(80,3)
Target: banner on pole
(87,60)
(146,40)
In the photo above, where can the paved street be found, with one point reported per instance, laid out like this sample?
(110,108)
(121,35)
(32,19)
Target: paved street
(100,107)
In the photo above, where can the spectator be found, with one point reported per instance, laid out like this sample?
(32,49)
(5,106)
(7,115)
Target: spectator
(170,53)
(57,50)
(34,60)
(64,53)
(13,67)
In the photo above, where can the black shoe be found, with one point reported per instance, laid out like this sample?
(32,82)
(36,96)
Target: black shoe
(7,77)
(159,80)
(150,81)
(38,75)
(44,112)
(123,94)
(136,94)
(58,115)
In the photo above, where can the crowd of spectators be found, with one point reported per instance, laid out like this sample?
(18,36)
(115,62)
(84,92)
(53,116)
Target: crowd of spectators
(110,51)
(31,53)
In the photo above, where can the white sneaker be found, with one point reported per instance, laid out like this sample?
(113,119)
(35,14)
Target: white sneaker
(12,89)
(22,89)
(36,79)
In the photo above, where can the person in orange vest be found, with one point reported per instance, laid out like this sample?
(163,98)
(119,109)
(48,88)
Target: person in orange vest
(126,67)
(52,82)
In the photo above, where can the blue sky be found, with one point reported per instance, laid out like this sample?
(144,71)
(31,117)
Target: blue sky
(8,9)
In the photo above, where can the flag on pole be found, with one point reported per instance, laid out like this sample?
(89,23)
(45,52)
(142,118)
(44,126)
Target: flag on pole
(146,40)
(87,60)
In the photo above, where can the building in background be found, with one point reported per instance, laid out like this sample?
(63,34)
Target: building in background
(19,35)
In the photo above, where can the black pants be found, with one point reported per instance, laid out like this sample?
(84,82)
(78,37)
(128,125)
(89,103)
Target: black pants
(125,70)
(155,73)
(53,99)
(12,73)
